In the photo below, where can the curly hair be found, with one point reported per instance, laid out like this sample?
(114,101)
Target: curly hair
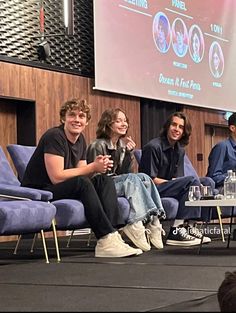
(74,104)
(184,141)
(108,117)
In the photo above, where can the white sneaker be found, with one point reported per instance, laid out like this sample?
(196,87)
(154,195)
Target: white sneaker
(139,251)
(155,235)
(137,234)
(112,246)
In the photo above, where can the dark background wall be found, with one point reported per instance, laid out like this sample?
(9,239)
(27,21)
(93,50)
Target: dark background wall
(21,36)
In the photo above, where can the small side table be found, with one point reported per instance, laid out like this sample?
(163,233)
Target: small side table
(216,203)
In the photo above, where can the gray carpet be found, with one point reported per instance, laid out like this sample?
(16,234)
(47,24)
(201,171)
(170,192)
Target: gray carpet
(172,279)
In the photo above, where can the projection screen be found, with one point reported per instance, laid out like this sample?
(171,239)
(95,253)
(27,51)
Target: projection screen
(177,51)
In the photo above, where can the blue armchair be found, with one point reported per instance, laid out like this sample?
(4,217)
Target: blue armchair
(70,213)
(21,209)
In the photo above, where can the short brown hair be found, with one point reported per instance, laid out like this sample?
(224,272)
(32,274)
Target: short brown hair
(75,104)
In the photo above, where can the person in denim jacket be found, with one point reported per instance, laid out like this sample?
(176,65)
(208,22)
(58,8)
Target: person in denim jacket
(138,188)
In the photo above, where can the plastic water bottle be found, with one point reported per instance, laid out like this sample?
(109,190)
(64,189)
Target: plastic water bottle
(229,185)
(234,185)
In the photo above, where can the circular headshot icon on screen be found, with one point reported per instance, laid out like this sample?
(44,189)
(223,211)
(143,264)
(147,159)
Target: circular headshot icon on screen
(216,60)
(179,37)
(161,32)
(196,43)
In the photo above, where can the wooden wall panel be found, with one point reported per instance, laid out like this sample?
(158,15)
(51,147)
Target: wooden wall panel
(17,81)
(200,141)
(7,124)
(50,89)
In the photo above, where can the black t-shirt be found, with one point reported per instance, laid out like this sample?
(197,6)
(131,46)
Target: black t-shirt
(54,141)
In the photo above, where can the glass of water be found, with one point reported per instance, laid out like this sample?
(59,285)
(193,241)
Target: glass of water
(194,193)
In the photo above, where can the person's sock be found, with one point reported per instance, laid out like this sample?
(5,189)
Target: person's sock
(155,221)
(178,223)
(191,223)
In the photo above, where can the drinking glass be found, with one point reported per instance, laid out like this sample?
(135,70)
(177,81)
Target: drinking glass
(194,193)
(206,192)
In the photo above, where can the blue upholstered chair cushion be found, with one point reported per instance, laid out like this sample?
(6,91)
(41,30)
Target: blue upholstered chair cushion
(7,175)
(22,217)
(70,213)
(10,185)
(21,162)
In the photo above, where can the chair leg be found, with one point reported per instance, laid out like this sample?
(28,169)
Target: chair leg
(220,222)
(230,226)
(201,227)
(33,243)
(69,240)
(55,239)
(44,246)
(17,244)
(89,238)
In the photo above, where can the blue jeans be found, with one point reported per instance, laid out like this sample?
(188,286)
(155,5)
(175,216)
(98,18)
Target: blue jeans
(142,194)
(178,189)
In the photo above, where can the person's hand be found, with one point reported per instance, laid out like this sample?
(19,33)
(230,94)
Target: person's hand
(102,163)
(108,162)
(130,144)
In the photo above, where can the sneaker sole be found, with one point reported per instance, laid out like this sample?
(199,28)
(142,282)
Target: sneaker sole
(129,235)
(158,246)
(182,243)
(98,255)
(206,240)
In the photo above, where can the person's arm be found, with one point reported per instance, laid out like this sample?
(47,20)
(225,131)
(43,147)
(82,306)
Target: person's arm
(216,164)
(158,181)
(127,156)
(150,163)
(56,172)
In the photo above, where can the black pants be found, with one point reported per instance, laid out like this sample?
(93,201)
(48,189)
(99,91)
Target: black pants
(99,198)
(178,189)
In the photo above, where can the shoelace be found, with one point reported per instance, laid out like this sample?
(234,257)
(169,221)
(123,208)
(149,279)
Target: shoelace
(148,234)
(195,232)
(159,228)
(184,233)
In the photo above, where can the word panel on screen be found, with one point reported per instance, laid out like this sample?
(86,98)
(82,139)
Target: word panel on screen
(177,51)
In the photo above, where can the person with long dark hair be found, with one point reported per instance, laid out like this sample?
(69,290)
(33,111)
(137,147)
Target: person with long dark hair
(163,160)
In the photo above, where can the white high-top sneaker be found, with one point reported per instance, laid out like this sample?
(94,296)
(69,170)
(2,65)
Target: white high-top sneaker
(155,235)
(112,246)
(136,232)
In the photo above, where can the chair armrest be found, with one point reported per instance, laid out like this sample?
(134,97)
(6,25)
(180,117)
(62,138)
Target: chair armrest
(24,192)
(45,195)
